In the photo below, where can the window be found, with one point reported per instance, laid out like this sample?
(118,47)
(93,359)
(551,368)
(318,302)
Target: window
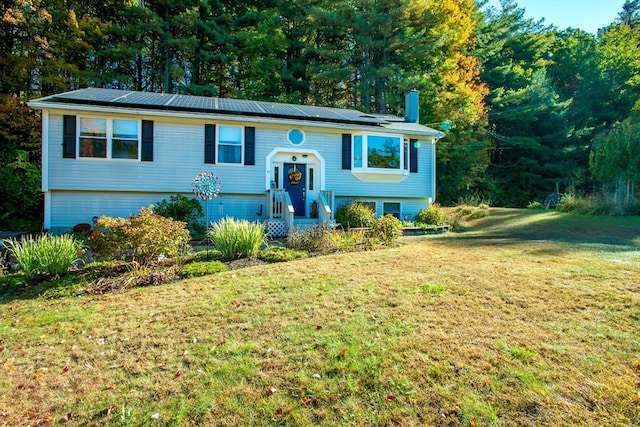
(125,139)
(380,152)
(391,208)
(109,138)
(295,136)
(357,151)
(93,137)
(229,144)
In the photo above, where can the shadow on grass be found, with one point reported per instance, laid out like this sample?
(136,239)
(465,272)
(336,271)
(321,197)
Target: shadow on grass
(520,226)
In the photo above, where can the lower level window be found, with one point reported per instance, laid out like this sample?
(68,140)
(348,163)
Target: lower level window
(389,208)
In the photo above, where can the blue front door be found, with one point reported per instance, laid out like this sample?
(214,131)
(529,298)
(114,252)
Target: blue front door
(295,182)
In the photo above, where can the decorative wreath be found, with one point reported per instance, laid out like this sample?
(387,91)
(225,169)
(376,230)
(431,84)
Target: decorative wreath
(294,176)
(206,185)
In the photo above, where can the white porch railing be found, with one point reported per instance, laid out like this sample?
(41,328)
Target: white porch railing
(325,207)
(279,206)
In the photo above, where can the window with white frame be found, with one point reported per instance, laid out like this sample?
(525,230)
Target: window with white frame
(109,138)
(380,153)
(229,144)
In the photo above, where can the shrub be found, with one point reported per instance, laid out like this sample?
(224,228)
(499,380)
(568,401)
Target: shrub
(237,238)
(355,214)
(471,212)
(45,254)
(282,254)
(202,268)
(142,238)
(347,241)
(589,205)
(535,205)
(181,208)
(208,255)
(386,229)
(313,238)
(475,199)
(433,215)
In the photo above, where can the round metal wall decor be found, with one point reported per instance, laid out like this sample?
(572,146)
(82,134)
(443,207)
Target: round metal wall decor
(206,185)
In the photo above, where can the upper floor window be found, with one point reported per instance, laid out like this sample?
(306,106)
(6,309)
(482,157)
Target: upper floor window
(109,138)
(229,144)
(378,157)
(380,152)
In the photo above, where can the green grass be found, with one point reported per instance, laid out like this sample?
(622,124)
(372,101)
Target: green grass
(515,322)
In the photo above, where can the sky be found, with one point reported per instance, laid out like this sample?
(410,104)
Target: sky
(588,15)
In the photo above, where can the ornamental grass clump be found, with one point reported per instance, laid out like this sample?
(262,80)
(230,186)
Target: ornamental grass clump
(45,254)
(237,238)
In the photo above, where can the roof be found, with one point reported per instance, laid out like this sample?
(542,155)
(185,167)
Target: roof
(241,107)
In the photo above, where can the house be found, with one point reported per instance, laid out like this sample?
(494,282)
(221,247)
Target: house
(110,152)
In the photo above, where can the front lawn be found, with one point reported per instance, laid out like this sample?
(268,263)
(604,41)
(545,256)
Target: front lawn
(528,318)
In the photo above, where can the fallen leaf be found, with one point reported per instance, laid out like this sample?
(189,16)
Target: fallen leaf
(345,351)
(155,416)
(305,400)
(316,376)
(65,368)
(390,396)
(271,390)
(67,417)
(177,374)
(109,387)
(318,327)
(279,411)
(47,418)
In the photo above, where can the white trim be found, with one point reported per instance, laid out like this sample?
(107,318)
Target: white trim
(109,138)
(45,152)
(300,153)
(433,170)
(47,211)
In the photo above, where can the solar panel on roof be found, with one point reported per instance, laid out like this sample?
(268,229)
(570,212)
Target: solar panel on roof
(222,105)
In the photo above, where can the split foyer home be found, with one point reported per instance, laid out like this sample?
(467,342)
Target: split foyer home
(110,152)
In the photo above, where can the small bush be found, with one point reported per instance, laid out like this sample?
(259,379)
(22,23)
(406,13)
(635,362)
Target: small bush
(314,238)
(535,205)
(237,238)
(386,229)
(281,254)
(45,254)
(475,200)
(471,212)
(589,205)
(202,268)
(142,238)
(346,241)
(208,255)
(181,208)
(355,214)
(433,215)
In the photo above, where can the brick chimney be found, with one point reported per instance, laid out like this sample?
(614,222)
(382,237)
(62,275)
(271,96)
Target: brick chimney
(412,106)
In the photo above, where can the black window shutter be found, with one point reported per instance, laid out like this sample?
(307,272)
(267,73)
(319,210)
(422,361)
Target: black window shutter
(249,146)
(147,141)
(69,137)
(346,151)
(209,143)
(413,156)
